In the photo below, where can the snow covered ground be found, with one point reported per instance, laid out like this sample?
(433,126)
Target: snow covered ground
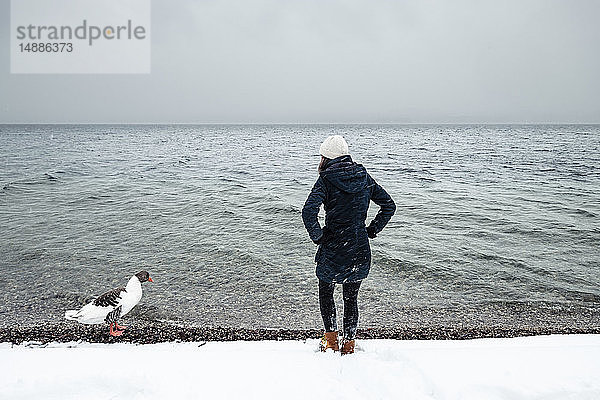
(549,367)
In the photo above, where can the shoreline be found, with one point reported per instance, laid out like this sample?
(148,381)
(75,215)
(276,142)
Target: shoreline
(160,332)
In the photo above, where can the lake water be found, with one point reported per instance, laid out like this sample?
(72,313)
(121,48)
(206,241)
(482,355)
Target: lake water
(495,225)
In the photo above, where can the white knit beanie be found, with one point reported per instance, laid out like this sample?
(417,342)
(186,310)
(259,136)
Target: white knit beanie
(333,147)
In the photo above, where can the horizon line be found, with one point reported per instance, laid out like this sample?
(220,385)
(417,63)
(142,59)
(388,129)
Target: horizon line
(299,123)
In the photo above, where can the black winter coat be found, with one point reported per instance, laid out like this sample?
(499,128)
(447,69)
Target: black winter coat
(345,188)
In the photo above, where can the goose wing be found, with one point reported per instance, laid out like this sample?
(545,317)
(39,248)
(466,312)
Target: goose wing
(97,310)
(110,298)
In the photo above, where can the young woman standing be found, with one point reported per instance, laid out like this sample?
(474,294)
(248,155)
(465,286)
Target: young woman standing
(344,255)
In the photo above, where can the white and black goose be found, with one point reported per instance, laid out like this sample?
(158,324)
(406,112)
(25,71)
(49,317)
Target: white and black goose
(112,305)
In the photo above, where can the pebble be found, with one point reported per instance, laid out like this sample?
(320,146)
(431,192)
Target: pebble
(157,332)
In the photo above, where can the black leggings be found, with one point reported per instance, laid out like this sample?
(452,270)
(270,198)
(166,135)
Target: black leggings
(350,291)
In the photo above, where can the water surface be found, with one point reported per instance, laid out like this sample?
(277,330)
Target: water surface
(494,225)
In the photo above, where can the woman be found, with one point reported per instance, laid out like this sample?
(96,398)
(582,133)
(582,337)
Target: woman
(344,255)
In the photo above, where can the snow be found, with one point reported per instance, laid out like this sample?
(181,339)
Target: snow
(543,367)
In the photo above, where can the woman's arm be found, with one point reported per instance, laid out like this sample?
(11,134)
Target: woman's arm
(310,211)
(386,204)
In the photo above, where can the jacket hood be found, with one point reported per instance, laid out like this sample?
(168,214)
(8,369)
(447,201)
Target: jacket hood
(345,174)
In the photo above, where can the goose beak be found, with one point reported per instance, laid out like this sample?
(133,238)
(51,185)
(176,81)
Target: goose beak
(150,279)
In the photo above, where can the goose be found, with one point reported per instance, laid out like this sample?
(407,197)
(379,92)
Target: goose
(112,305)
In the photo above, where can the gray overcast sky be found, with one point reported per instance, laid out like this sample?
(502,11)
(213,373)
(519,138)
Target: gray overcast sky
(337,61)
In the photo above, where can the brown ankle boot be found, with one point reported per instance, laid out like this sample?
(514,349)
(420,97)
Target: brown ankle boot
(330,341)
(348,347)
